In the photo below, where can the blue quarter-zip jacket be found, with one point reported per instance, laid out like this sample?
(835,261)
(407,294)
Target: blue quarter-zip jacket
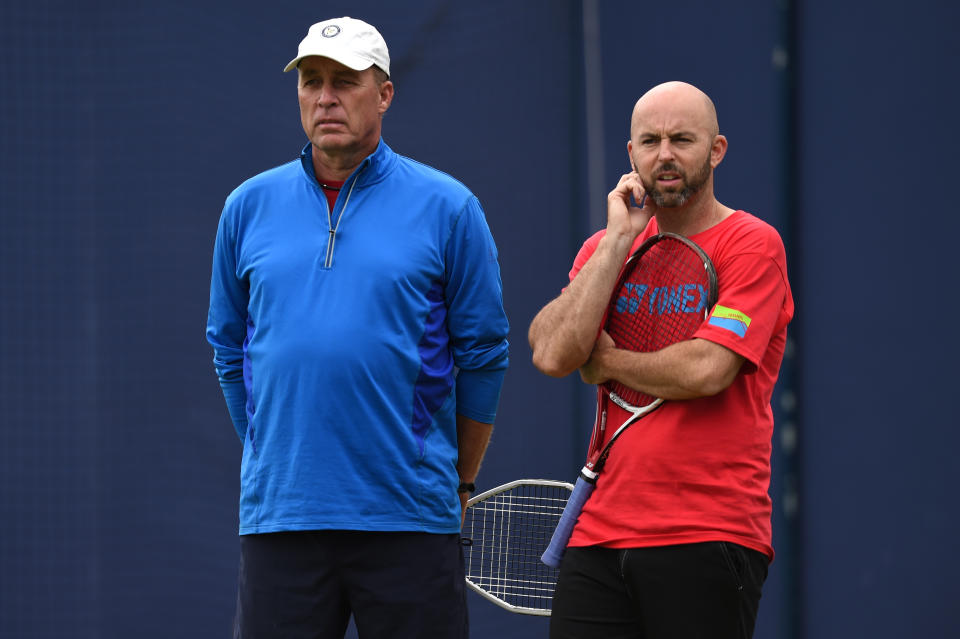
(346,341)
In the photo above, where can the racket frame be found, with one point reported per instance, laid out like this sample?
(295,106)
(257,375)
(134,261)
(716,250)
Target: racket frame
(481,497)
(591,470)
(597,458)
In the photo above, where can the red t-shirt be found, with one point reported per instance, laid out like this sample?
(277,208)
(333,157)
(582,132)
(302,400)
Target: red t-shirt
(699,470)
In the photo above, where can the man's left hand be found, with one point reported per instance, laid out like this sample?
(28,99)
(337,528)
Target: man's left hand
(593,371)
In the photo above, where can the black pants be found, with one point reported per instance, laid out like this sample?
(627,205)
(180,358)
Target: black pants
(709,590)
(300,585)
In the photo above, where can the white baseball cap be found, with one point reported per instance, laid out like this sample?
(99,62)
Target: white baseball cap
(352,43)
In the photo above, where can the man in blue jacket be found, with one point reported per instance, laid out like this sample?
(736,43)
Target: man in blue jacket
(359,336)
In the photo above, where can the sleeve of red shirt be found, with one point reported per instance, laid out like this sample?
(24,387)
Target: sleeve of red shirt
(589,246)
(753,292)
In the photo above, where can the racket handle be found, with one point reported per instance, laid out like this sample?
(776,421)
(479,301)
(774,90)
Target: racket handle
(558,543)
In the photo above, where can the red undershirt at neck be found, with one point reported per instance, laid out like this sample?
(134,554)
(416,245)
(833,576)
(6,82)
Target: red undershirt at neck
(331,189)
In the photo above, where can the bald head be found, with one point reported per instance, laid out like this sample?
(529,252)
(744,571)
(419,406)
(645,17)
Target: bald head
(675,103)
(675,144)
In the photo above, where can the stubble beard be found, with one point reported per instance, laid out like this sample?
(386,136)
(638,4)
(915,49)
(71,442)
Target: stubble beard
(676,199)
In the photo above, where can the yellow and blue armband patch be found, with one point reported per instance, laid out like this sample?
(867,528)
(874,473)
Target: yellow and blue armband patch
(730,319)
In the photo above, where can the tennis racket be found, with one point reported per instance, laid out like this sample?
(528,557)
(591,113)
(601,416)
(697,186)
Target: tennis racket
(664,294)
(504,532)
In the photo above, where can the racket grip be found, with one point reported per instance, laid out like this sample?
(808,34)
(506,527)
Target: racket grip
(558,543)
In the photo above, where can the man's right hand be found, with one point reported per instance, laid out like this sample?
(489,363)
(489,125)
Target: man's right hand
(624,218)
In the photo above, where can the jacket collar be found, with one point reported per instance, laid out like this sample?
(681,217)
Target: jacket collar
(373,168)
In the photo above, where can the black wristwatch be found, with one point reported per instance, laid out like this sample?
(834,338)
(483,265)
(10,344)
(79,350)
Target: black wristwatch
(466,487)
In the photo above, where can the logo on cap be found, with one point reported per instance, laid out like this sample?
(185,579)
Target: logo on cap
(330,31)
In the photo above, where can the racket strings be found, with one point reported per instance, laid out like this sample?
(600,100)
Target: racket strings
(509,532)
(661,300)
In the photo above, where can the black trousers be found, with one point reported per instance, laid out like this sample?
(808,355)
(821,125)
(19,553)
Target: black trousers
(306,585)
(691,591)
